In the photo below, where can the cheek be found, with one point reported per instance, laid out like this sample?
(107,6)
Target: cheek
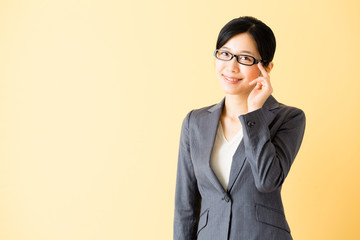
(219,68)
(252,72)
(218,65)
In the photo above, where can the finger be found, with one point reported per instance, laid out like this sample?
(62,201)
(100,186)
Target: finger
(257,80)
(262,70)
(252,82)
(259,86)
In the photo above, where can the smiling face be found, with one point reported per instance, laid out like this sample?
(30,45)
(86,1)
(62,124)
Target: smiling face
(235,78)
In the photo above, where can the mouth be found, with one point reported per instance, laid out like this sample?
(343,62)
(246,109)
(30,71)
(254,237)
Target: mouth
(231,79)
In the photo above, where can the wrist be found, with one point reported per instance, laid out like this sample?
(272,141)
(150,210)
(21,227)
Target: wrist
(253,108)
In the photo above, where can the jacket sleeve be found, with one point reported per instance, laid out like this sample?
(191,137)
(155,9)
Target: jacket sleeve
(187,196)
(271,158)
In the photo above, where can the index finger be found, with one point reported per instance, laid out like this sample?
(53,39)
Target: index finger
(262,70)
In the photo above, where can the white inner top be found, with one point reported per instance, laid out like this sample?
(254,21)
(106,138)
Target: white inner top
(222,154)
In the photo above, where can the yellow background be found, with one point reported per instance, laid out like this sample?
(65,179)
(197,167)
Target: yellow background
(93,94)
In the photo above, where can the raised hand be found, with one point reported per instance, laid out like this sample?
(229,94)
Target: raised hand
(261,91)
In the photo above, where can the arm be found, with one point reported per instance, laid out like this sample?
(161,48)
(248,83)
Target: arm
(187,196)
(271,159)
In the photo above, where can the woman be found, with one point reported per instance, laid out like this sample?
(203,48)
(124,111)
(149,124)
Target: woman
(234,156)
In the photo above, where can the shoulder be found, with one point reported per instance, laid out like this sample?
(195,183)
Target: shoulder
(290,111)
(204,112)
(286,114)
(273,105)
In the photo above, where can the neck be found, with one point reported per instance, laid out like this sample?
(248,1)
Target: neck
(235,105)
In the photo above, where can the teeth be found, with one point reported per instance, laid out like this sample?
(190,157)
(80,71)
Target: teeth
(233,80)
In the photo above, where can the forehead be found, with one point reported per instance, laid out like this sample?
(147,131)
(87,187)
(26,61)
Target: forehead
(241,43)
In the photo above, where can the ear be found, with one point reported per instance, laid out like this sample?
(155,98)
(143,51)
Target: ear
(269,67)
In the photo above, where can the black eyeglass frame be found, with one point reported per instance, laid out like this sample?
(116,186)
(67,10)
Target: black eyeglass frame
(255,61)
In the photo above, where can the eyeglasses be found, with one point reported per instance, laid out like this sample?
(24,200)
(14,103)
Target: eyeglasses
(241,58)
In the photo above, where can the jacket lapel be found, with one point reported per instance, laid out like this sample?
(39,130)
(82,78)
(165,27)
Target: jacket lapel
(238,161)
(208,141)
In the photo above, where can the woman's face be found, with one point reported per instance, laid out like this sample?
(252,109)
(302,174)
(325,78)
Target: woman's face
(235,78)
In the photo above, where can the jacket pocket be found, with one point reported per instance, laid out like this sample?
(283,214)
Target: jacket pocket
(272,217)
(203,220)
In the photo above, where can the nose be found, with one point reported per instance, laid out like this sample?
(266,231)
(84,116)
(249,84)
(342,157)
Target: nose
(233,65)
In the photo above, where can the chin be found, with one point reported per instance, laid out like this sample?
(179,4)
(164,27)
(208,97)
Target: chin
(232,92)
(235,91)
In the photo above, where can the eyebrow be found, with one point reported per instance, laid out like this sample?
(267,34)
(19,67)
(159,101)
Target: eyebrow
(244,51)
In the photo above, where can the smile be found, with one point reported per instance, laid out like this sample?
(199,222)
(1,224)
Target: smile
(231,80)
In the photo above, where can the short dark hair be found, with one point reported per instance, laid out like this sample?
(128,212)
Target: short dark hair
(260,32)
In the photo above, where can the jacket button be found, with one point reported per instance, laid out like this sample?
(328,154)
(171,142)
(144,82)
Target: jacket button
(226,199)
(250,123)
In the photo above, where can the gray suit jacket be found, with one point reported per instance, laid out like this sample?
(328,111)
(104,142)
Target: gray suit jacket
(251,208)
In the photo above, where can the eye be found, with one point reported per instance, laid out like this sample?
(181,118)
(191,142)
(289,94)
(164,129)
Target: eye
(245,58)
(225,54)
